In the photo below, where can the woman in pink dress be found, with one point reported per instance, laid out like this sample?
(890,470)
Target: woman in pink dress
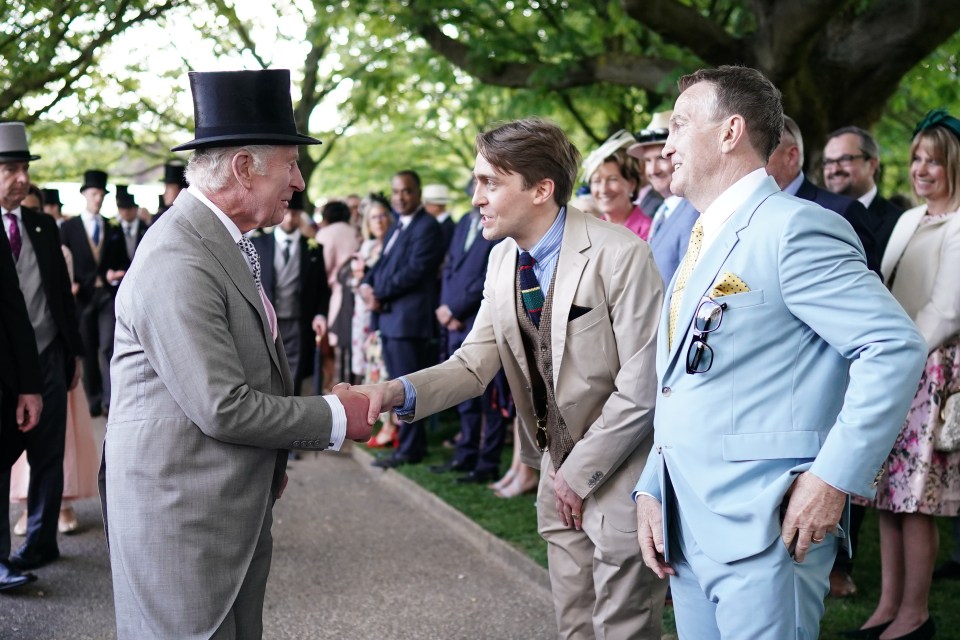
(80,457)
(920,265)
(615,179)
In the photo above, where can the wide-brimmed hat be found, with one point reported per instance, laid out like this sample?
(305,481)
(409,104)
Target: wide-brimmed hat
(298,201)
(620,140)
(13,143)
(175,173)
(435,194)
(125,199)
(94,178)
(655,133)
(51,196)
(235,108)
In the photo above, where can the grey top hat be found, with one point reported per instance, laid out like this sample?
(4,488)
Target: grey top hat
(234,108)
(13,143)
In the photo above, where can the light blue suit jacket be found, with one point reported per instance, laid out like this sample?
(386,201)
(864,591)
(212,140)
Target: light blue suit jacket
(814,369)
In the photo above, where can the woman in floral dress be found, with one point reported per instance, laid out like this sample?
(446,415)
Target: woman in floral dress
(921,265)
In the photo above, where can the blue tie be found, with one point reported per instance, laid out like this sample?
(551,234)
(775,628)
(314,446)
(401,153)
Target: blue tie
(530,288)
(96,231)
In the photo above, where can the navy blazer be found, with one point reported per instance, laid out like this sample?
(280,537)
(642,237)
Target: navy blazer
(464,273)
(447,227)
(113,251)
(85,265)
(883,218)
(20,373)
(314,290)
(853,212)
(405,279)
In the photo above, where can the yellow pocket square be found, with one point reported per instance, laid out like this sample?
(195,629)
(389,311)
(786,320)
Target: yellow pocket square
(727,285)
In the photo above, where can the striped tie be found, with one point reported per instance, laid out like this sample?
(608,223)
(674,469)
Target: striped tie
(530,288)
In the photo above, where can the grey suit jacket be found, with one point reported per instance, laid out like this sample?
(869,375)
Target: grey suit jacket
(200,419)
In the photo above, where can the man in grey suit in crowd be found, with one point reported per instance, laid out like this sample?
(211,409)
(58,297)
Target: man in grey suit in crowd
(203,410)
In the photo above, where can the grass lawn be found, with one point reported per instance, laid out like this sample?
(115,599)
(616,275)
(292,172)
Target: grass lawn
(515,520)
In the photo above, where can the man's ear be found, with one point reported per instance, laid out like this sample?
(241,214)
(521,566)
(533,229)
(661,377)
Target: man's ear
(732,133)
(543,191)
(242,165)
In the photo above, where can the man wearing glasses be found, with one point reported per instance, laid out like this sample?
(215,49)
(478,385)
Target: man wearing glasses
(851,163)
(785,370)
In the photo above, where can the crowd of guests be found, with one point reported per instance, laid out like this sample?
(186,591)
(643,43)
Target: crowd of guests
(382,287)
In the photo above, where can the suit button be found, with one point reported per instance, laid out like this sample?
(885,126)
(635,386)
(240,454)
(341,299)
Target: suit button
(543,347)
(665,391)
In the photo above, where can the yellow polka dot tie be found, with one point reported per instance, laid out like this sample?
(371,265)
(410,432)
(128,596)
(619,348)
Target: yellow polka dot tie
(689,262)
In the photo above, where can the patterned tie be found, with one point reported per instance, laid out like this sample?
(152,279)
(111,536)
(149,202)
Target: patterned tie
(689,262)
(253,259)
(16,242)
(530,288)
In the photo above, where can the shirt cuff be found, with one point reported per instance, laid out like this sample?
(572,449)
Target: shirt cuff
(409,400)
(636,494)
(338,431)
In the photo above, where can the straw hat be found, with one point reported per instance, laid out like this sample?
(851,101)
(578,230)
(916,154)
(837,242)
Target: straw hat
(655,133)
(620,140)
(436,194)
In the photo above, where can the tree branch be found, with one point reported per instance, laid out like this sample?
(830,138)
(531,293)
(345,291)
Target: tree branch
(683,25)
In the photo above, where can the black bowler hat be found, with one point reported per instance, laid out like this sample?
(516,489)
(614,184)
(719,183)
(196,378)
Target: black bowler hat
(173,173)
(94,178)
(235,108)
(125,199)
(297,202)
(51,196)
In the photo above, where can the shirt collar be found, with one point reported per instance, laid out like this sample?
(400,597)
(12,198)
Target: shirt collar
(730,200)
(89,217)
(231,226)
(15,211)
(867,198)
(549,244)
(283,236)
(794,185)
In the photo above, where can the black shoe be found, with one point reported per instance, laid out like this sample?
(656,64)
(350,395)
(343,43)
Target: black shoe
(391,462)
(868,633)
(453,465)
(10,578)
(949,570)
(23,559)
(924,632)
(479,477)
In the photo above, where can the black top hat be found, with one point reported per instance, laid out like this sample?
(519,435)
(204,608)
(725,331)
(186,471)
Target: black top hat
(235,108)
(298,201)
(173,173)
(13,143)
(94,178)
(51,196)
(125,199)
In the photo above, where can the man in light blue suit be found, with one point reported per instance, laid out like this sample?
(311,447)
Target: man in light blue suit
(785,370)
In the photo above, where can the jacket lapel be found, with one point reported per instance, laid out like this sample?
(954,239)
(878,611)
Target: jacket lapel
(709,265)
(506,312)
(902,232)
(570,266)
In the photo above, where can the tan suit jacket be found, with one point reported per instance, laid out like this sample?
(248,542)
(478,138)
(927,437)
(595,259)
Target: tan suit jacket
(604,360)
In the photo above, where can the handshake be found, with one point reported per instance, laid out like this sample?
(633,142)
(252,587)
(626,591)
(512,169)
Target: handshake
(363,404)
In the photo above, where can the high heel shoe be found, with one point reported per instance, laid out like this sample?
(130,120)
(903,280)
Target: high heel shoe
(386,437)
(515,488)
(867,633)
(20,528)
(67,522)
(504,481)
(924,632)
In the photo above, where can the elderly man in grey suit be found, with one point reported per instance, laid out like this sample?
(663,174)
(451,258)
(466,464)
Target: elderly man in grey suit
(203,410)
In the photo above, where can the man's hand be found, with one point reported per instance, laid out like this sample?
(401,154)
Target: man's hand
(455,325)
(369,299)
(443,314)
(115,275)
(813,511)
(383,396)
(356,406)
(569,503)
(650,535)
(319,326)
(283,485)
(29,406)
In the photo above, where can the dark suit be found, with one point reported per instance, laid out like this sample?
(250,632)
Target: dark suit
(447,227)
(405,282)
(44,444)
(94,303)
(853,212)
(113,257)
(464,273)
(882,218)
(312,290)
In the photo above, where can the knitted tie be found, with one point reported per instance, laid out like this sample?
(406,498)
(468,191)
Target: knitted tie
(689,262)
(530,288)
(253,259)
(16,242)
